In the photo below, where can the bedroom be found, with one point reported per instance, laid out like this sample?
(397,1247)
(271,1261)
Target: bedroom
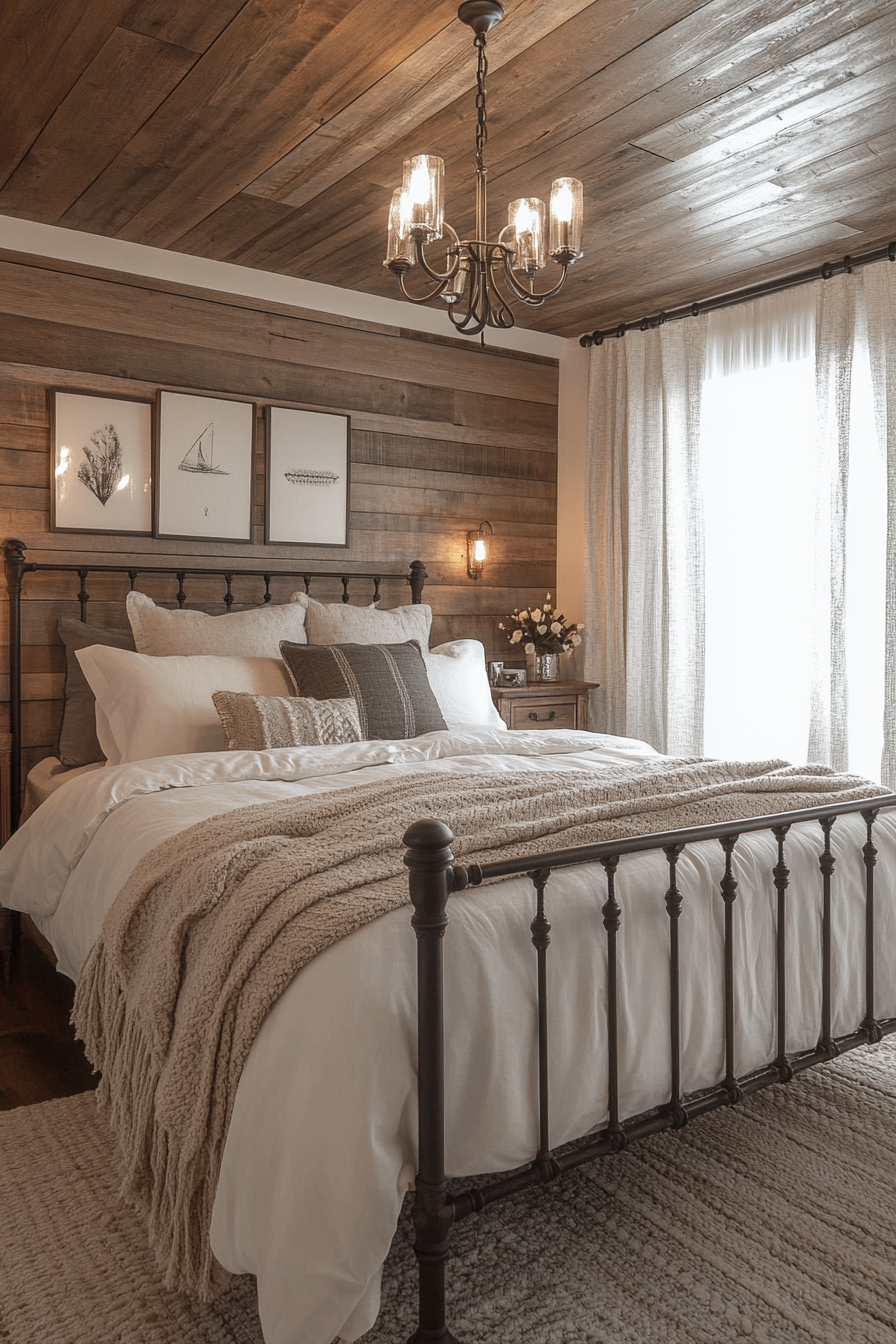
(135,258)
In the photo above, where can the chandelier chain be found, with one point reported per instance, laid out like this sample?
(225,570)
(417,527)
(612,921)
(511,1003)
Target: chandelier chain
(481,127)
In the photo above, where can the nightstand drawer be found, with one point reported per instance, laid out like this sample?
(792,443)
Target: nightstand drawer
(543,713)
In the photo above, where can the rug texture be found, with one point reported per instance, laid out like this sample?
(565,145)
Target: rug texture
(773,1223)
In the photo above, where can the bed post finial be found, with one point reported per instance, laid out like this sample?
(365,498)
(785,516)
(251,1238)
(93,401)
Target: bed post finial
(429,858)
(416,579)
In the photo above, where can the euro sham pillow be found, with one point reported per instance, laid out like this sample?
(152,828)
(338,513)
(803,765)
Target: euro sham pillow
(459,682)
(78,743)
(241,634)
(341,623)
(262,722)
(147,706)
(387,681)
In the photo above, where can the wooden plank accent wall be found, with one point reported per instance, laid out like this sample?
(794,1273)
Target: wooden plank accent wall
(444,436)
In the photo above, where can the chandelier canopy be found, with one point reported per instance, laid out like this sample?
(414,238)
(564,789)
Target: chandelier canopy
(469,284)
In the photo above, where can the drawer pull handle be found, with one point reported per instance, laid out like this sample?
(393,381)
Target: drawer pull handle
(547,718)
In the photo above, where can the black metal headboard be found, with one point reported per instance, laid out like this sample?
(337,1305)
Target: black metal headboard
(17,567)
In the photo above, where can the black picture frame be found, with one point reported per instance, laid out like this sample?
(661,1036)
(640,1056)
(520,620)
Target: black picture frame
(309,451)
(85,482)
(203,504)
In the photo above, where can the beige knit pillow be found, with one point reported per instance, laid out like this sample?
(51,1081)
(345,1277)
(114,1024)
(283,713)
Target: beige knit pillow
(257,722)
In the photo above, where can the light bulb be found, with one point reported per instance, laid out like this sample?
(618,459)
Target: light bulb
(479,550)
(418,187)
(563,204)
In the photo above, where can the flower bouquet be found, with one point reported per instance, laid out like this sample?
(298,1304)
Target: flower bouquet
(543,634)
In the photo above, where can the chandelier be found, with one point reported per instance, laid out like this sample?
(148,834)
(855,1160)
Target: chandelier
(476,270)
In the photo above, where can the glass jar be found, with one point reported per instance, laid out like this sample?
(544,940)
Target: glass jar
(542,666)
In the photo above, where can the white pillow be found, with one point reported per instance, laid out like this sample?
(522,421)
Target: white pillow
(147,706)
(239,634)
(459,682)
(340,623)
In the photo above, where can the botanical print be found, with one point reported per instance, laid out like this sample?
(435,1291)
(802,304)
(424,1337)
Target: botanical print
(102,472)
(102,463)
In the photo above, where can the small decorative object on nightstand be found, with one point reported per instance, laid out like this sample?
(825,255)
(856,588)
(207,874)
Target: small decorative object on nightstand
(545,704)
(542,633)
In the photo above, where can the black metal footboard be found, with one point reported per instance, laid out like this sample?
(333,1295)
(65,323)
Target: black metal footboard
(434,877)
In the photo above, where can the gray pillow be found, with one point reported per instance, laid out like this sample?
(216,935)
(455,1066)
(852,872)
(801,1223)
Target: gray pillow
(388,681)
(78,744)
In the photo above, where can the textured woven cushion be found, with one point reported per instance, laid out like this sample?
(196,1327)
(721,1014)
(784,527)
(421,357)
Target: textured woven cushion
(257,722)
(340,623)
(388,681)
(240,634)
(78,742)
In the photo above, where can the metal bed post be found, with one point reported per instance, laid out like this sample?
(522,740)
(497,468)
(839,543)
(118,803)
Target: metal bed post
(15,570)
(432,880)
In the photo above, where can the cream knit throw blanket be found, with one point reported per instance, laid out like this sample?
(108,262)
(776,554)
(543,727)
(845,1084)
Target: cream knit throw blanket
(215,922)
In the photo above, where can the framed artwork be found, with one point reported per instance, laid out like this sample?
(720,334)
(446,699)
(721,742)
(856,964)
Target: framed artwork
(204,467)
(307,478)
(101,463)
(513,676)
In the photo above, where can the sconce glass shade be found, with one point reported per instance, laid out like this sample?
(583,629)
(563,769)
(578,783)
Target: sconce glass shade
(526,222)
(399,249)
(422,187)
(566,218)
(477,550)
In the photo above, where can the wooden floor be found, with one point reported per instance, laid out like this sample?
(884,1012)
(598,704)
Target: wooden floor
(39,1056)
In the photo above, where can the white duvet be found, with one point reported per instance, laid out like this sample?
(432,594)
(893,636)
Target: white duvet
(321,1146)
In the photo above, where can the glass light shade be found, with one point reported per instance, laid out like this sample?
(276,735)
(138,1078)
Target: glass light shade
(454,290)
(422,184)
(566,216)
(477,550)
(399,249)
(526,221)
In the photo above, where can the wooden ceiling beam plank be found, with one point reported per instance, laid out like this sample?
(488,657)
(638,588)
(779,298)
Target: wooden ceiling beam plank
(426,83)
(123,85)
(233,225)
(195,25)
(257,50)
(44,46)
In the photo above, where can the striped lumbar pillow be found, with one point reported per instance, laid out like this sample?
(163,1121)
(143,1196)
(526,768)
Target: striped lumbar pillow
(388,682)
(257,722)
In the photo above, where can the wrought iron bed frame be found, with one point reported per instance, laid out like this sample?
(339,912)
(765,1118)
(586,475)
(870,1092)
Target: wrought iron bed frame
(434,877)
(17,567)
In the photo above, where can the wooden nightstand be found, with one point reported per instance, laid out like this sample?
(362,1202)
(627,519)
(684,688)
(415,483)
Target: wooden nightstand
(544,704)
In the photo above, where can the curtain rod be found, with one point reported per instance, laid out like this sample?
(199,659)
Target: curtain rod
(823,272)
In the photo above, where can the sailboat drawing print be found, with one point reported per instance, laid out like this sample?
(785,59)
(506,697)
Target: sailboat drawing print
(200,456)
(205,453)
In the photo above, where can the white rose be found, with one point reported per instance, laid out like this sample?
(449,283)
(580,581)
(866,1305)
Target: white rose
(524,615)
(576,641)
(580,627)
(516,636)
(530,648)
(536,614)
(556,628)
(542,629)
(547,597)
(500,625)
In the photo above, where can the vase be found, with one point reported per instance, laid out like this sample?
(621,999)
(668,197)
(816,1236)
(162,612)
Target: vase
(542,666)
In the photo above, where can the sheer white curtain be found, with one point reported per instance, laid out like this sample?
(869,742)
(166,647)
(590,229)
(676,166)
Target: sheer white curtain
(644,564)
(741,569)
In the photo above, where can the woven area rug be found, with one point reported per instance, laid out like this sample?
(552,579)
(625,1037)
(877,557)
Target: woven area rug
(773,1223)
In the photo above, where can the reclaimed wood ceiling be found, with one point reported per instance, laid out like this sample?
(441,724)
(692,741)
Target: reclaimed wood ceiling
(720,143)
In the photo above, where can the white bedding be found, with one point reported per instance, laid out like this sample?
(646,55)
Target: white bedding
(321,1146)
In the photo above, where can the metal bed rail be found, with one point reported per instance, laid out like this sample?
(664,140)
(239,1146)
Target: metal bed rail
(434,877)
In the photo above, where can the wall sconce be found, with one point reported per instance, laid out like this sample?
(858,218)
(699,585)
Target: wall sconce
(477,550)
